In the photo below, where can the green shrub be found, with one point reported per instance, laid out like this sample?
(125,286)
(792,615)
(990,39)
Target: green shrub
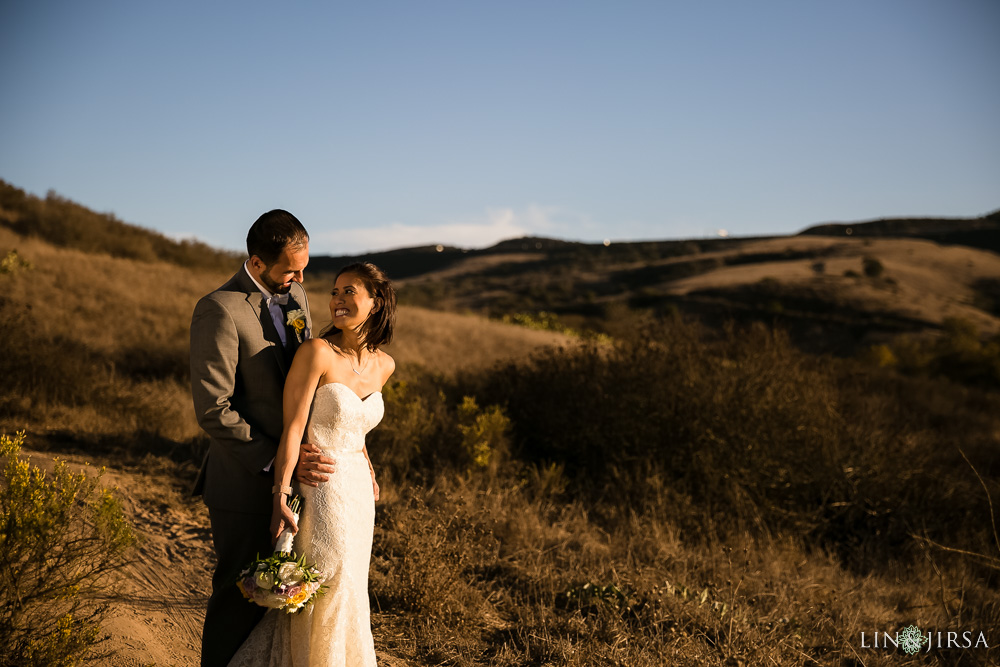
(872,267)
(61,535)
(742,432)
(415,424)
(426,429)
(13,262)
(959,353)
(484,434)
(541,321)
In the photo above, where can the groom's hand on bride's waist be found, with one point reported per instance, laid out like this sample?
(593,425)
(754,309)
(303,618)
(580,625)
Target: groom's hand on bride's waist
(312,467)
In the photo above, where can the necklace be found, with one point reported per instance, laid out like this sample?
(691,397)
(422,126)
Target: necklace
(350,357)
(356,371)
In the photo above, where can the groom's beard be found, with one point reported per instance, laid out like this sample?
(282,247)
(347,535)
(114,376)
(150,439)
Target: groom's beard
(273,287)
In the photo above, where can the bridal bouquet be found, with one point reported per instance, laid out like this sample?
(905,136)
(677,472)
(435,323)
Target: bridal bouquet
(282,581)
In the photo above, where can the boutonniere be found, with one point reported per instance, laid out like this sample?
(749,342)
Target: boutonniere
(297,320)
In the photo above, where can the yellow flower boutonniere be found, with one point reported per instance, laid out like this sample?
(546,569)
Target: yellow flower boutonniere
(297,320)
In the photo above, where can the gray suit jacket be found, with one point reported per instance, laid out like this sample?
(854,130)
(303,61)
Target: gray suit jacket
(238,368)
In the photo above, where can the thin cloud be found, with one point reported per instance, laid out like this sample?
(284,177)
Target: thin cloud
(477,232)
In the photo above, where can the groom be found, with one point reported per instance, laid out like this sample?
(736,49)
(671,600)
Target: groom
(243,336)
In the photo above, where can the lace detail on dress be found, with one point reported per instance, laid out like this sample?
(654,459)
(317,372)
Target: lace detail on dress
(335,532)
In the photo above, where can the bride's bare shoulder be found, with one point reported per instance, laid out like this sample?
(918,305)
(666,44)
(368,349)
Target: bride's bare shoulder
(316,347)
(386,364)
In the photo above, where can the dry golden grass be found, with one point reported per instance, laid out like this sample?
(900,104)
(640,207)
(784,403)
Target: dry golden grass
(119,312)
(450,342)
(105,302)
(921,279)
(443,342)
(854,291)
(467,574)
(132,319)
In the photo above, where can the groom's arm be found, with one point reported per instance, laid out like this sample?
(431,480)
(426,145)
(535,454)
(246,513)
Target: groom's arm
(214,356)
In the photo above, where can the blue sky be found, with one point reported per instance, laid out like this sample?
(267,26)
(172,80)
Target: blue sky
(389,124)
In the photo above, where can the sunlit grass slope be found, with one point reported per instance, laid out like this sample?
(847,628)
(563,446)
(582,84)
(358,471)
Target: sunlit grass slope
(98,344)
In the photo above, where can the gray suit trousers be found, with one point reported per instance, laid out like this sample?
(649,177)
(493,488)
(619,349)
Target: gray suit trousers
(238,537)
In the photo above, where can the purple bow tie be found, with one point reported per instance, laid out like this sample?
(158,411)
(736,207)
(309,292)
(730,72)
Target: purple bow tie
(280,299)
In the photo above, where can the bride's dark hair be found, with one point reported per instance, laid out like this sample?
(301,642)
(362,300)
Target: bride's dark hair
(377,329)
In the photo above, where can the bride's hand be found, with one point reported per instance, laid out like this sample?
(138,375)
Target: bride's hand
(281,517)
(375,486)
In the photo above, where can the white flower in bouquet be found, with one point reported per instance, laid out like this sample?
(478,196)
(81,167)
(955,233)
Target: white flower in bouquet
(263,578)
(290,574)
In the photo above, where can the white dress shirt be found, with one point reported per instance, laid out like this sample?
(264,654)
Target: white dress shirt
(273,306)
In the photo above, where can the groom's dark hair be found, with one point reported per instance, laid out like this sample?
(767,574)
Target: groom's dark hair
(272,233)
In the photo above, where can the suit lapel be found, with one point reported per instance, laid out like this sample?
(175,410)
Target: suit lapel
(259,305)
(305,306)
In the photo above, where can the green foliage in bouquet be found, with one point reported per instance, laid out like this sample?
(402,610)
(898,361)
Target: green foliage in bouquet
(61,535)
(281,581)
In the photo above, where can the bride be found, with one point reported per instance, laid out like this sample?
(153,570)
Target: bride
(332,398)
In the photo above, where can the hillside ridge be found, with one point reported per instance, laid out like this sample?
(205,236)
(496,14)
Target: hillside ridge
(982,232)
(65,223)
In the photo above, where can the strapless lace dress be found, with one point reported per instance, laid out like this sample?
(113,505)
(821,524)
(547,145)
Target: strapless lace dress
(335,533)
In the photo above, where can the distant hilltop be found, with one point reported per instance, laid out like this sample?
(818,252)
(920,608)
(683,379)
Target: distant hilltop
(982,232)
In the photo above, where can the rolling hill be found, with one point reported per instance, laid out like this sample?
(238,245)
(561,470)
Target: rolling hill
(837,287)
(691,495)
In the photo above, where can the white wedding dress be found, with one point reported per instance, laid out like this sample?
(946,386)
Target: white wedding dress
(335,533)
